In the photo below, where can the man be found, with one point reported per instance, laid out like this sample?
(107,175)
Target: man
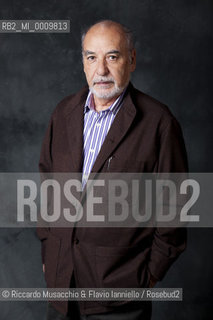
(109,127)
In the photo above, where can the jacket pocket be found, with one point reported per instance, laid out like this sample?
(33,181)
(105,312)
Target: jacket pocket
(121,267)
(115,164)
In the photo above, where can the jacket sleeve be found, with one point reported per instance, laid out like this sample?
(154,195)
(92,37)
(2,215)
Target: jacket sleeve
(45,166)
(169,242)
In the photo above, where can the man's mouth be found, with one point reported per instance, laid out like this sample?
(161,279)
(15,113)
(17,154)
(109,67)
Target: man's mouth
(103,83)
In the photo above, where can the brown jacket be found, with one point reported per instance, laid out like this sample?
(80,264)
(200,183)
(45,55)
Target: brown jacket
(144,137)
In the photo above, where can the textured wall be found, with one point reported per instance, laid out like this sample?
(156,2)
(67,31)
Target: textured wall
(174,65)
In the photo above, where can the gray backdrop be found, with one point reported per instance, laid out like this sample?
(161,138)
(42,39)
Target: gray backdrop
(174,65)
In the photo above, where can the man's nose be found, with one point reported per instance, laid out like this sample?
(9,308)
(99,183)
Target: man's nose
(102,68)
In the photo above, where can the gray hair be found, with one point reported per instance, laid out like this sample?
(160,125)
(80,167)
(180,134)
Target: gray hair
(127,32)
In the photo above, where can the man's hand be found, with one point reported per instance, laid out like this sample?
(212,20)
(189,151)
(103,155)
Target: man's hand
(43,266)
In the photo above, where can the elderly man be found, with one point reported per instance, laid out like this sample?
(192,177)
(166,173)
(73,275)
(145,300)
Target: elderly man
(109,126)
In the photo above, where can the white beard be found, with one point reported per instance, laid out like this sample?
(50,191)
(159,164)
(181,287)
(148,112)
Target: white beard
(102,94)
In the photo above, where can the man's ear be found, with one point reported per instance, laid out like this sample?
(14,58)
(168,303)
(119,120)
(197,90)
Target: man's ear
(133,60)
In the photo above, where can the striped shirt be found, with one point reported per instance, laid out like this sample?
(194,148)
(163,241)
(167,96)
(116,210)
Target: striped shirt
(96,127)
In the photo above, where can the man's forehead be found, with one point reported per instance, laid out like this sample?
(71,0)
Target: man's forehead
(108,35)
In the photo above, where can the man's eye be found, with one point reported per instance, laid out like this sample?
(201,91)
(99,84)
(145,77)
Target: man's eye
(112,57)
(90,58)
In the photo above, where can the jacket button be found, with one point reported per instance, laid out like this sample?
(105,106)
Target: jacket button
(76,241)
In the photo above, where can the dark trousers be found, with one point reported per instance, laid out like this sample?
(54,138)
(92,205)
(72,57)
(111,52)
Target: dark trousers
(137,311)
(135,314)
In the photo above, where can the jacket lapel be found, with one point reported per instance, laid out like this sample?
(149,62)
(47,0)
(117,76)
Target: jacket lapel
(118,130)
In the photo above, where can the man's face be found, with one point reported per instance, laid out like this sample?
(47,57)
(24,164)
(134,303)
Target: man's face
(107,61)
